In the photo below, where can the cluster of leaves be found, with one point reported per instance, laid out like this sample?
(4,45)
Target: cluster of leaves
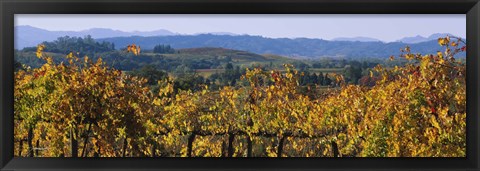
(416,110)
(79,108)
(134,49)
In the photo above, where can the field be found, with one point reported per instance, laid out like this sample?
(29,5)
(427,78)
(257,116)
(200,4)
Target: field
(208,72)
(326,70)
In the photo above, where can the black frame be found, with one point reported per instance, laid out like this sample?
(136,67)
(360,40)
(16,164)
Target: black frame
(10,7)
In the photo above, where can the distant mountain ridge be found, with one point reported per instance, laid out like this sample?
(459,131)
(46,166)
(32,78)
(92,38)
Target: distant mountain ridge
(419,39)
(357,39)
(32,36)
(293,48)
(219,33)
(356,47)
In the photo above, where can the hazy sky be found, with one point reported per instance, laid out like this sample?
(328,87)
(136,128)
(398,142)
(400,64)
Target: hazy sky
(384,27)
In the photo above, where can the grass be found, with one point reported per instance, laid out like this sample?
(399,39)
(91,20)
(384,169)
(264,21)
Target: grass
(208,72)
(326,70)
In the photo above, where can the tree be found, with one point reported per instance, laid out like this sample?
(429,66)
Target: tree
(150,73)
(320,78)
(163,49)
(326,80)
(17,65)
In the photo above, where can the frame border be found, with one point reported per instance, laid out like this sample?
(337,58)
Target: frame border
(10,7)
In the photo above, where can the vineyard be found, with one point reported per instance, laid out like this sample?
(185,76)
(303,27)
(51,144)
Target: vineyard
(83,108)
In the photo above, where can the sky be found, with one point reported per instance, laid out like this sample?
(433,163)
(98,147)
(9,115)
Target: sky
(386,27)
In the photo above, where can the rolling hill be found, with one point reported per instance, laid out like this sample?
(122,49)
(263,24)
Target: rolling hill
(194,58)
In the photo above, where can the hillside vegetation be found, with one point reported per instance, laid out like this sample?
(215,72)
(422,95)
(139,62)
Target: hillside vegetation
(194,58)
